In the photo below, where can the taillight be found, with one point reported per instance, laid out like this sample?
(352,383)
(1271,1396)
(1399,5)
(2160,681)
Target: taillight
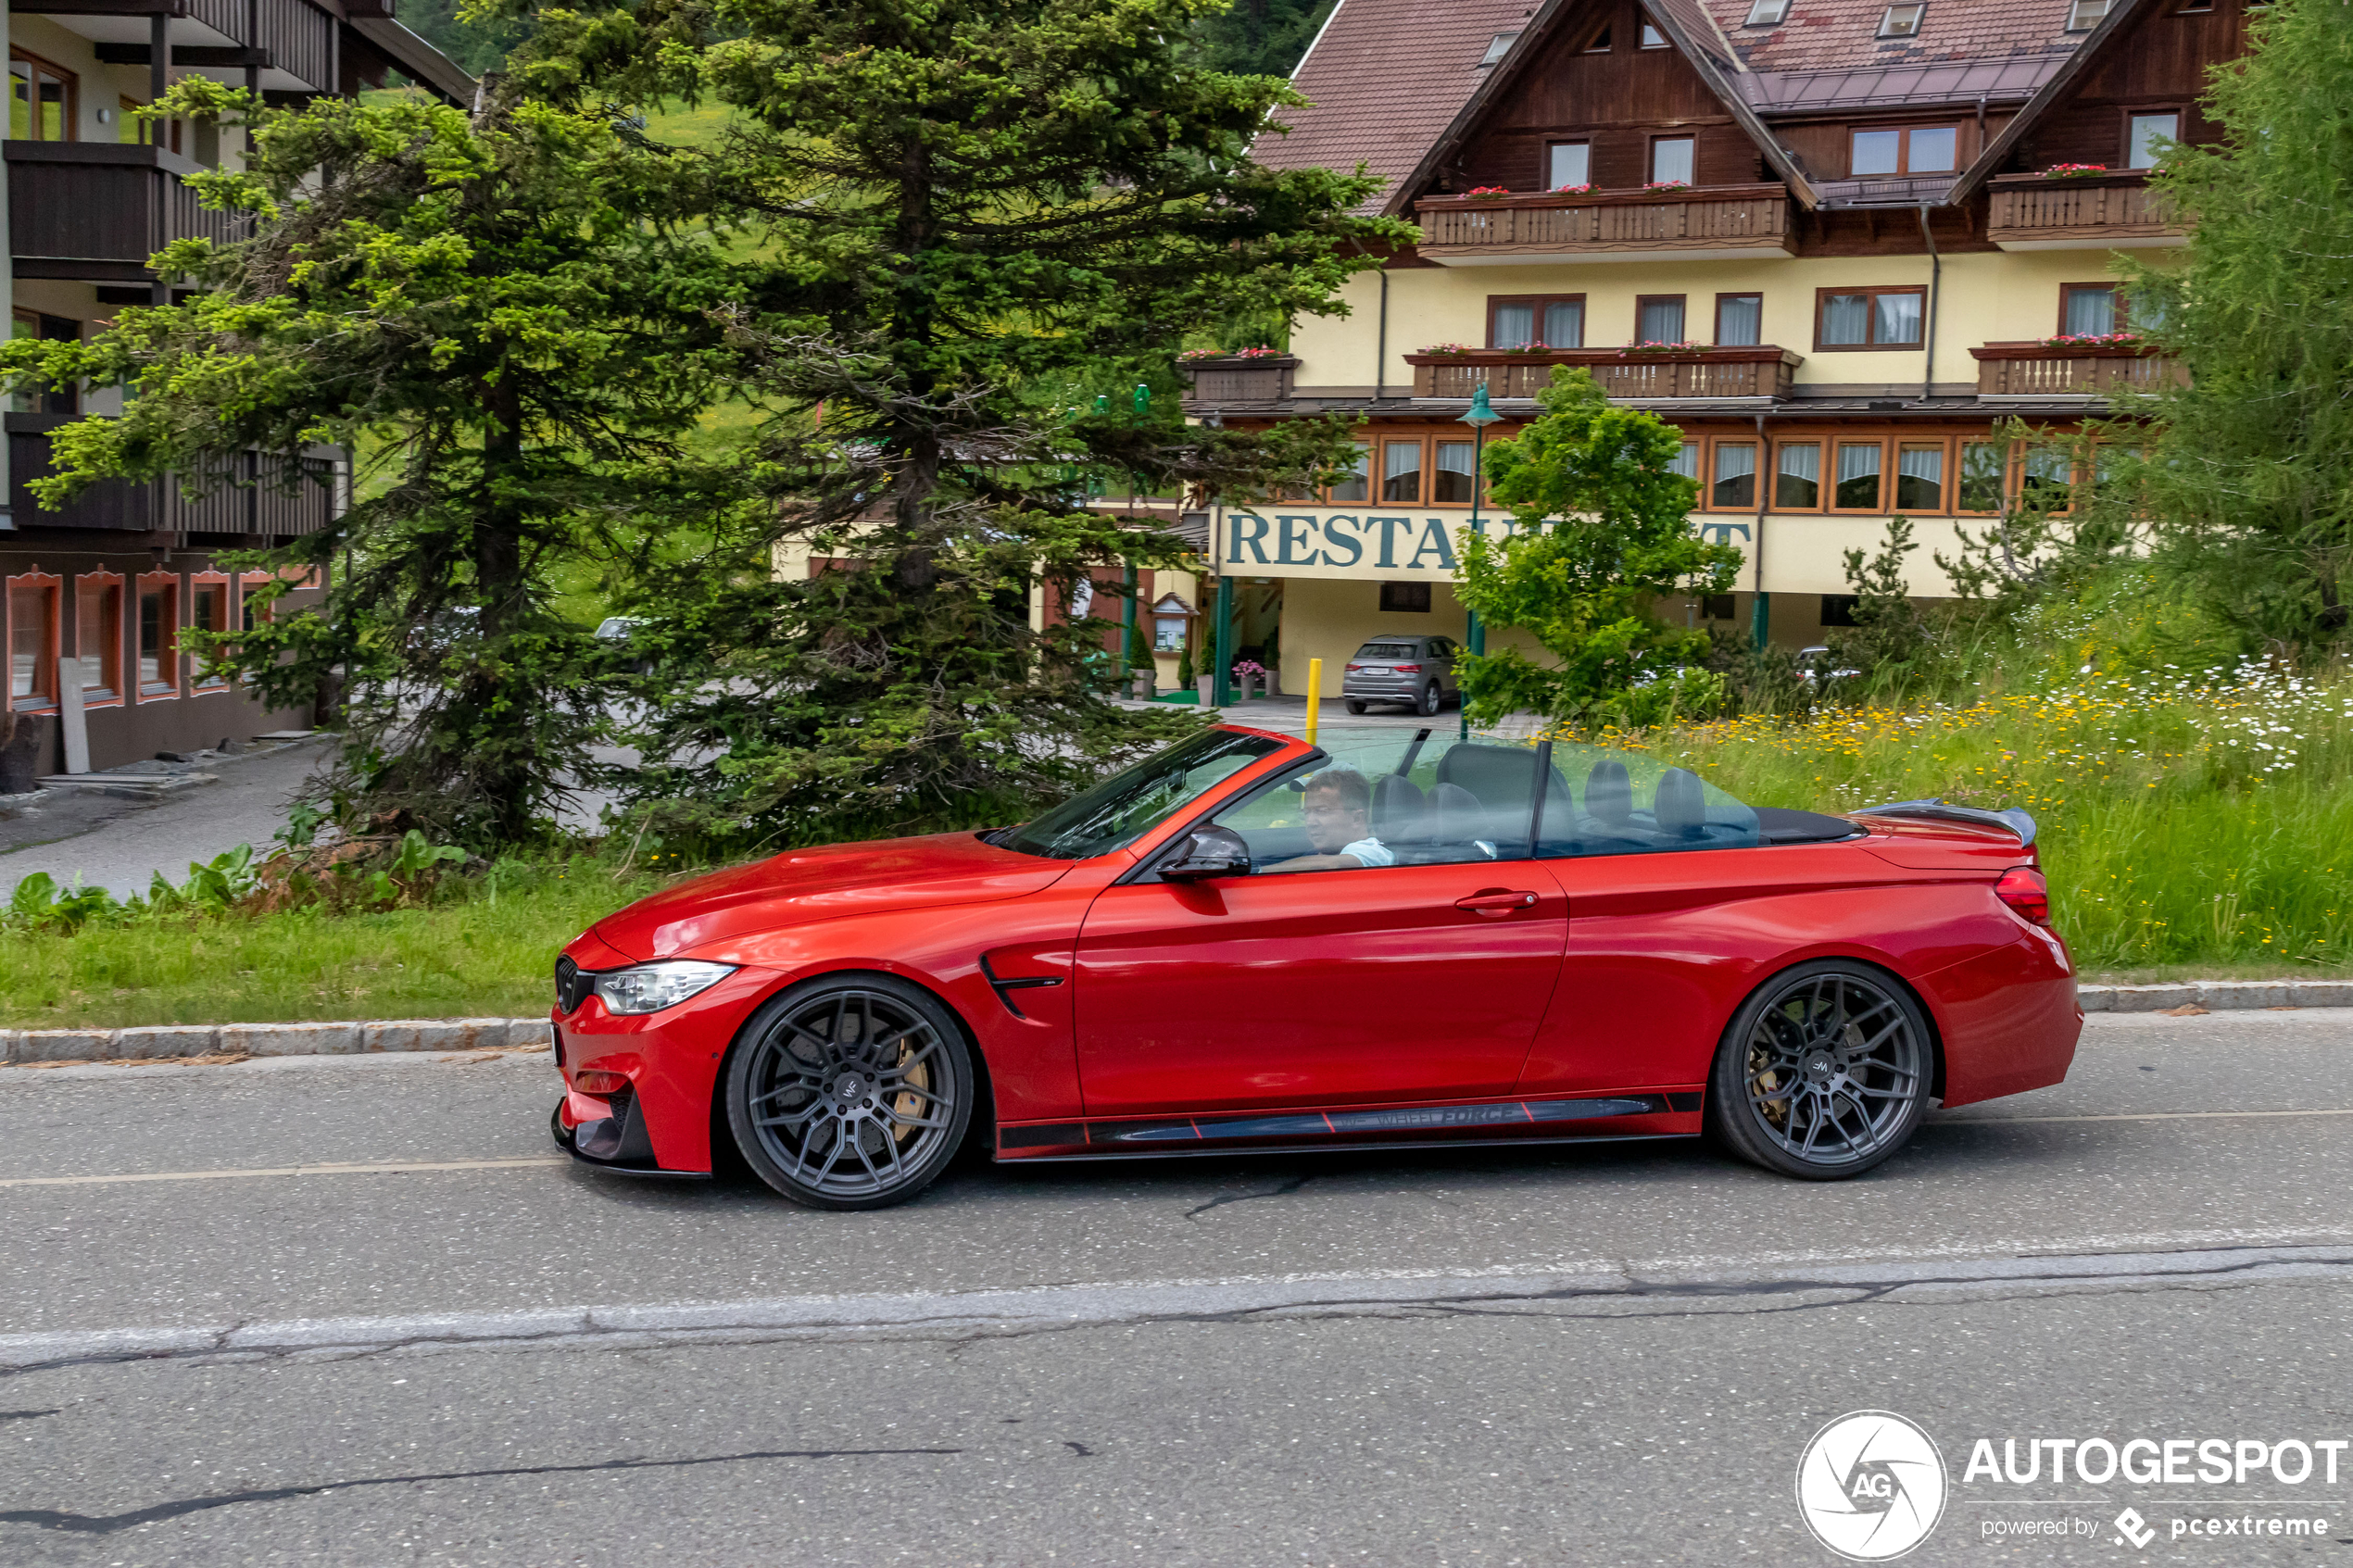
(2023,889)
(1353,668)
(594,1083)
(1407,668)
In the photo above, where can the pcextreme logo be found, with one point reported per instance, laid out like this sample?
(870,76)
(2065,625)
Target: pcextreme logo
(1870,1486)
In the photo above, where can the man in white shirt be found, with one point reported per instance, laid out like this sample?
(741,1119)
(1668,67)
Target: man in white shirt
(1338,809)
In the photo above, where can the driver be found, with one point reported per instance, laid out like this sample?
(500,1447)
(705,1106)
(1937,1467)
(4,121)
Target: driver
(1339,808)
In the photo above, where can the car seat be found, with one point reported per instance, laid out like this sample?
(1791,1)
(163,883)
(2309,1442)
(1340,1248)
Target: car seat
(1679,808)
(1400,813)
(1609,795)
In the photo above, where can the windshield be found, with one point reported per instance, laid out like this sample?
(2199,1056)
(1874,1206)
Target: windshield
(1386,651)
(1121,809)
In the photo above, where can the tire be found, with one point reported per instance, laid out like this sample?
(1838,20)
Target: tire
(1430,702)
(1823,1074)
(850,1092)
(1354,705)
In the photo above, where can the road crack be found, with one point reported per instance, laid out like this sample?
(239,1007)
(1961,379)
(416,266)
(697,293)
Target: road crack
(1283,1191)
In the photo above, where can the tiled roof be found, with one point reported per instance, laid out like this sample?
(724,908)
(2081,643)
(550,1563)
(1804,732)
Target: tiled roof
(1843,34)
(1385,81)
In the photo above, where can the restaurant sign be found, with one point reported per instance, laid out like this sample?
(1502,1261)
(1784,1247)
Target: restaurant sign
(1386,546)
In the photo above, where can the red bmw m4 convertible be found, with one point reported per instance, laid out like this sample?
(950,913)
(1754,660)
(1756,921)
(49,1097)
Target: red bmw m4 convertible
(1249,942)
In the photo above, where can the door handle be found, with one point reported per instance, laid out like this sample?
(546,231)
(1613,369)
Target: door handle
(1497,903)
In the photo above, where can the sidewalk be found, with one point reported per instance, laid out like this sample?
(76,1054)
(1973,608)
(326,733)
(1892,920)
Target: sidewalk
(1288,715)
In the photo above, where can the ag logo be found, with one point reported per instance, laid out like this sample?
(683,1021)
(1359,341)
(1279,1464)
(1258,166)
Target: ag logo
(1870,1486)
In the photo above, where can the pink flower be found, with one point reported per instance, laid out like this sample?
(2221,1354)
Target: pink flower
(1572,190)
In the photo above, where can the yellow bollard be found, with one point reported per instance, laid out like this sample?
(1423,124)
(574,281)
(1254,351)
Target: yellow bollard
(1315,695)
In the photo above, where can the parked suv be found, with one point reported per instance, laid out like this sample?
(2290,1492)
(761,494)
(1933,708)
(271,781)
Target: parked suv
(1418,672)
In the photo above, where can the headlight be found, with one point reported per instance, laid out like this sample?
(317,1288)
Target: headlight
(650,987)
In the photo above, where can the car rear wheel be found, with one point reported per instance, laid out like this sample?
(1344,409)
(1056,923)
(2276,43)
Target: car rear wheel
(1824,1072)
(850,1093)
(1430,702)
(1354,705)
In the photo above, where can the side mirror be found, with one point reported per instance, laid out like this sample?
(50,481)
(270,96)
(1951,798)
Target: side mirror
(1208,852)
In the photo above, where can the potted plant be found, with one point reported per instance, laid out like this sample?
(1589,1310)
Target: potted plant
(1668,185)
(1584,190)
(2074,170)
(1248,674)
(1447,348)
(1487,192)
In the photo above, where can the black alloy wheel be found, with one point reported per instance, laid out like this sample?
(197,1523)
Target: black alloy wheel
(1430,702)
(1824,1072)
(850,1093)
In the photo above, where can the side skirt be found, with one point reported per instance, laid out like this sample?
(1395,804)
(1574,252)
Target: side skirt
(1673,1115)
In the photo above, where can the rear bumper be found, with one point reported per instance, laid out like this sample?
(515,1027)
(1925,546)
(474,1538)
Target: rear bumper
(2009,1018)
(1383,688)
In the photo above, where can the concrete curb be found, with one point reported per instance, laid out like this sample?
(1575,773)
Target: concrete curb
(272,1039)
(2216,996)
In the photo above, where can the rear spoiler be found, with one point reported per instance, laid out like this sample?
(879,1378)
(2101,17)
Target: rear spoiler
(2014,819)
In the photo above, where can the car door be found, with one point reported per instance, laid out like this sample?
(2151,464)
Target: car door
(1420,979)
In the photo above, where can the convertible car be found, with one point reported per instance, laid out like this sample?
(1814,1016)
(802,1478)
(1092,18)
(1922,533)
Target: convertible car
(1251,943)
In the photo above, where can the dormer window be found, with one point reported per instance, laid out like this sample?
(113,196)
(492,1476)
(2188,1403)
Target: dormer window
(2085,15)
(1497,47)
(1768,13)
(1652,37)
(1904,21)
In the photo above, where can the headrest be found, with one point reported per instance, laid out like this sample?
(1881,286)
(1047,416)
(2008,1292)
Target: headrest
(1458,811)
(1498,775)
(1609,794)
(1679,808)
(1397,803)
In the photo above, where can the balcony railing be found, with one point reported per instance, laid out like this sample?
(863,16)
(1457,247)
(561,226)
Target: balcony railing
(1639,377)
(2031,212)
(1260,379)
(95,211)
(1723,219)
(257,513)
(2041,370)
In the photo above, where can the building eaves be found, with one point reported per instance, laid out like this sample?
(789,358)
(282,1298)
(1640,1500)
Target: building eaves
(417,59)
(1998,151)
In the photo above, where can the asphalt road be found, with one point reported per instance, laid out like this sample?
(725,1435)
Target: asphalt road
(217,1348)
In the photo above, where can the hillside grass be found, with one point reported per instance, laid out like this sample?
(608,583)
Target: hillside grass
(487,949)
(2189,824)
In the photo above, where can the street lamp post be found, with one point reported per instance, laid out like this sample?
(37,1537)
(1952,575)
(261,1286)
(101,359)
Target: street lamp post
(1480,416)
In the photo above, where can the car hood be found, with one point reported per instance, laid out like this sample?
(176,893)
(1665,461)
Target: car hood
(828,883)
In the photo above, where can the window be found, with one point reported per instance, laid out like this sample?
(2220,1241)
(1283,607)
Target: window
(1869,319)
(1838,609)
(2088,310)
(41,99)
(1354,488)
(1768,13)
(1568,163)
(2085,15)
(1716,607)
(1901,22)
(1384,801)
(57,329)
(1686,463)
(1401,471)
(2193,8)
(1982,466)
(1735,486)
(1600,46)
(1408,598)
(1128,804)
(98,636)
(1652,37)
(1671,159)
(208,611)
(1612,803)
(1551,320)
(1457,473)
(2045,478)
(1919,476)
(1658,318)
(1858,469)
(129,129)
(1497,47)
(1797,477)
(32,644)
(1740,320)
(1924,149)
(2146,136)
(158,636)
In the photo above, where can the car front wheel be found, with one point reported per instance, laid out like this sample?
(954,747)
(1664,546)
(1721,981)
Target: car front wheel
(850,1093)
(1354,705)
(1824,1072)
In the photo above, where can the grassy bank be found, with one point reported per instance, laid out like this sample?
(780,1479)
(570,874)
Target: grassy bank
(2188,823)
(470,955)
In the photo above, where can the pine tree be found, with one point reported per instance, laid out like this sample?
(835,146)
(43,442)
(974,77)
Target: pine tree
(456,296)
(974,233)
(2248,481)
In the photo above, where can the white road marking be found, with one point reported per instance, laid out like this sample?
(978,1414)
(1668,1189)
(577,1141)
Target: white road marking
(536,1162)
(2122,1116)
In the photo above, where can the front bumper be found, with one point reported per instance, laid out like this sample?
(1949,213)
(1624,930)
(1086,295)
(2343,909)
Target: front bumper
(610,1136)
(660,1122)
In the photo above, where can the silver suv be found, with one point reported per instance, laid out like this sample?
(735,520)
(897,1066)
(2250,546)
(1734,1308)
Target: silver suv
(1418,672)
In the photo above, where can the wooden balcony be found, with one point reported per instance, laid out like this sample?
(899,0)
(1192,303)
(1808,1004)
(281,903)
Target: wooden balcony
(1259,378)
(285,38)
(95,211)
(2098,212)
(2028,370)
(248,514)
(1720,222)
(1764,372)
